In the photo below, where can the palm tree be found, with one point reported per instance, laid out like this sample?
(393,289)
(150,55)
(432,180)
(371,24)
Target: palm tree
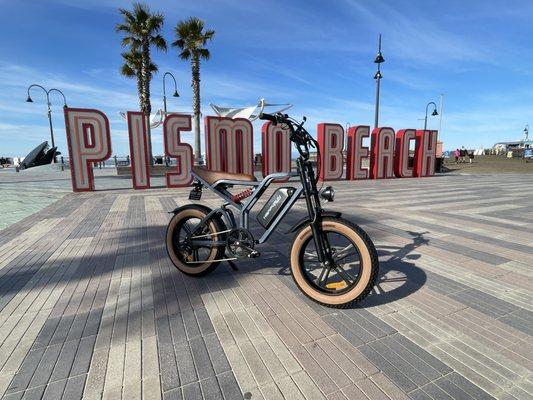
(132,68)
(141,30)
(191,40)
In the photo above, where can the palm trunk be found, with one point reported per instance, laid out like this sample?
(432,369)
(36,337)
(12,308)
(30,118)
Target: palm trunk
(147,107)
(195,63)
(140,90)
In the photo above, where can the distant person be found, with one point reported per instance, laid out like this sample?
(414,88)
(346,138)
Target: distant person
(471,157)
(457,154)
(463,154)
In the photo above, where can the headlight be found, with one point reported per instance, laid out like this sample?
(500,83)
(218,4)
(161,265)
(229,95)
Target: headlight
(328,193)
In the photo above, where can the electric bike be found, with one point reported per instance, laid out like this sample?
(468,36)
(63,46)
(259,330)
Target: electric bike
(332,260)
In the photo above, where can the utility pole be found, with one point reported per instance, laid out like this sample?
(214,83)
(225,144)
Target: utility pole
(440,113)
(378,60)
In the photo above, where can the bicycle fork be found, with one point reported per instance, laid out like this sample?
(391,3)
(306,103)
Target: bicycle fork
(307,176)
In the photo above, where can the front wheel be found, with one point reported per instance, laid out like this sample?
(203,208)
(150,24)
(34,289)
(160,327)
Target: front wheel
(355,268)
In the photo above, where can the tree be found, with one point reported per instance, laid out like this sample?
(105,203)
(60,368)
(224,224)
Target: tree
(132,68)
(141,30)
(191,39)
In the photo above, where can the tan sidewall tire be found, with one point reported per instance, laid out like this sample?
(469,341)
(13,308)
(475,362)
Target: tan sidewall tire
(196,269)
(366,258)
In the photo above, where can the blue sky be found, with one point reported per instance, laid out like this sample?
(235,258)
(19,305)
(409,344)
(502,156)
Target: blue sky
(314,54)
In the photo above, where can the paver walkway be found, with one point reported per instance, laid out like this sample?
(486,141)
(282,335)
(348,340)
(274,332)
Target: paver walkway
(91,306)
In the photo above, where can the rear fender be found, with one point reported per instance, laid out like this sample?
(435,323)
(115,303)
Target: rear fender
(216,213)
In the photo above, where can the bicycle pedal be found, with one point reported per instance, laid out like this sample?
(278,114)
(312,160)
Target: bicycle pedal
(254,254)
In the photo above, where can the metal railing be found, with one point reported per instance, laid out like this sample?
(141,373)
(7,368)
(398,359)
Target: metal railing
(119,161)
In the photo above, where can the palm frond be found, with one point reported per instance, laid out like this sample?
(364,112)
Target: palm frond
(204,53)
(154,23)
(185,54)
(190,36)
(178,43)
(159,42)
(127,71)
(208,35)
(141,11)
(153,68)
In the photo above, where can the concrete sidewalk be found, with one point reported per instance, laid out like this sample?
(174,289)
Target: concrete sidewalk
(91,306)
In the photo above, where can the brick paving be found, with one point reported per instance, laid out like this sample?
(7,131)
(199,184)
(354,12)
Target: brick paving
(91,306)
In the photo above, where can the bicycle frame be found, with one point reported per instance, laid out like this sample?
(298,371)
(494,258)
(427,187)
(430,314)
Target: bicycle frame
(308,187)
(219,188)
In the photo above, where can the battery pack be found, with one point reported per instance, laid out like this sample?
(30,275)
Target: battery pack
(274,205)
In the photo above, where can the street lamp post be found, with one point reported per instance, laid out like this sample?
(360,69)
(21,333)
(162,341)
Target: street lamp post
(434,113)
(176,94)
(378,60)
(441,113)
(49,104)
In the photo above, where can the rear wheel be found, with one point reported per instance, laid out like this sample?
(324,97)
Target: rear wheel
(355,268)
(194,254)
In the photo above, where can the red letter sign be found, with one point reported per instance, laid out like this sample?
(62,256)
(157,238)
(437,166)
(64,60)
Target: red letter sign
(425,153)
(331,142)
(401,159)
(89,141)
(382,160)
(229,145)
(173,125)
(140,158)
(356,152)
(276,149)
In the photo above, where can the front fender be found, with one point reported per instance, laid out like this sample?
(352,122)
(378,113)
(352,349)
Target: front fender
(306,220)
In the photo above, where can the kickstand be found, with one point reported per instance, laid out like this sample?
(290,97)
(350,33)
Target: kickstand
(233,265)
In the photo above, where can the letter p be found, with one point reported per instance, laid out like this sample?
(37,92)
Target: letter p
(89,141)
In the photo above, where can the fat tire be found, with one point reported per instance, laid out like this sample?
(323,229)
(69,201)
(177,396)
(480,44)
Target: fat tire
(374,261)
(220,226)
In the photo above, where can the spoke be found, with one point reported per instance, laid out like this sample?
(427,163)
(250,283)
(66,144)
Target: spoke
(207,243)
(343,253)
(186,227)
(340,270)
(323,276)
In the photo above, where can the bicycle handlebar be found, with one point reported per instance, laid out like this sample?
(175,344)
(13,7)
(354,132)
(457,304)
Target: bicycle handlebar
(298,135)
(269,117)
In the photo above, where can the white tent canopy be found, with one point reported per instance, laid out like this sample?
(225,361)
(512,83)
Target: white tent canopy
(251,112)
(155,119)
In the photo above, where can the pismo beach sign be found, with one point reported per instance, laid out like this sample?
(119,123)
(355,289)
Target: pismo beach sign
(229,148)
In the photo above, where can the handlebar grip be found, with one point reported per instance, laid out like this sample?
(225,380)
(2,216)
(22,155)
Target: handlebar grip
(268,117)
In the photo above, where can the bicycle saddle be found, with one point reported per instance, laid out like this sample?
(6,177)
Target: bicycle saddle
(213,176)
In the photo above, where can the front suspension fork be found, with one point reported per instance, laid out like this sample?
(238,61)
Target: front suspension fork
(312,200)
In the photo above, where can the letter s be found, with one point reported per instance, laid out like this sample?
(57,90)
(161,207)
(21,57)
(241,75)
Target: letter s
(173,125)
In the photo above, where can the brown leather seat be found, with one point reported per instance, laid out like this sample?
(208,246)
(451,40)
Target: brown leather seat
(213,176)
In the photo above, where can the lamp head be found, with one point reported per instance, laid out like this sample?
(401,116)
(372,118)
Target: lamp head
(327,194)
(29,100)
(434,112)
(379,58)
(378,75)
(176,94)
